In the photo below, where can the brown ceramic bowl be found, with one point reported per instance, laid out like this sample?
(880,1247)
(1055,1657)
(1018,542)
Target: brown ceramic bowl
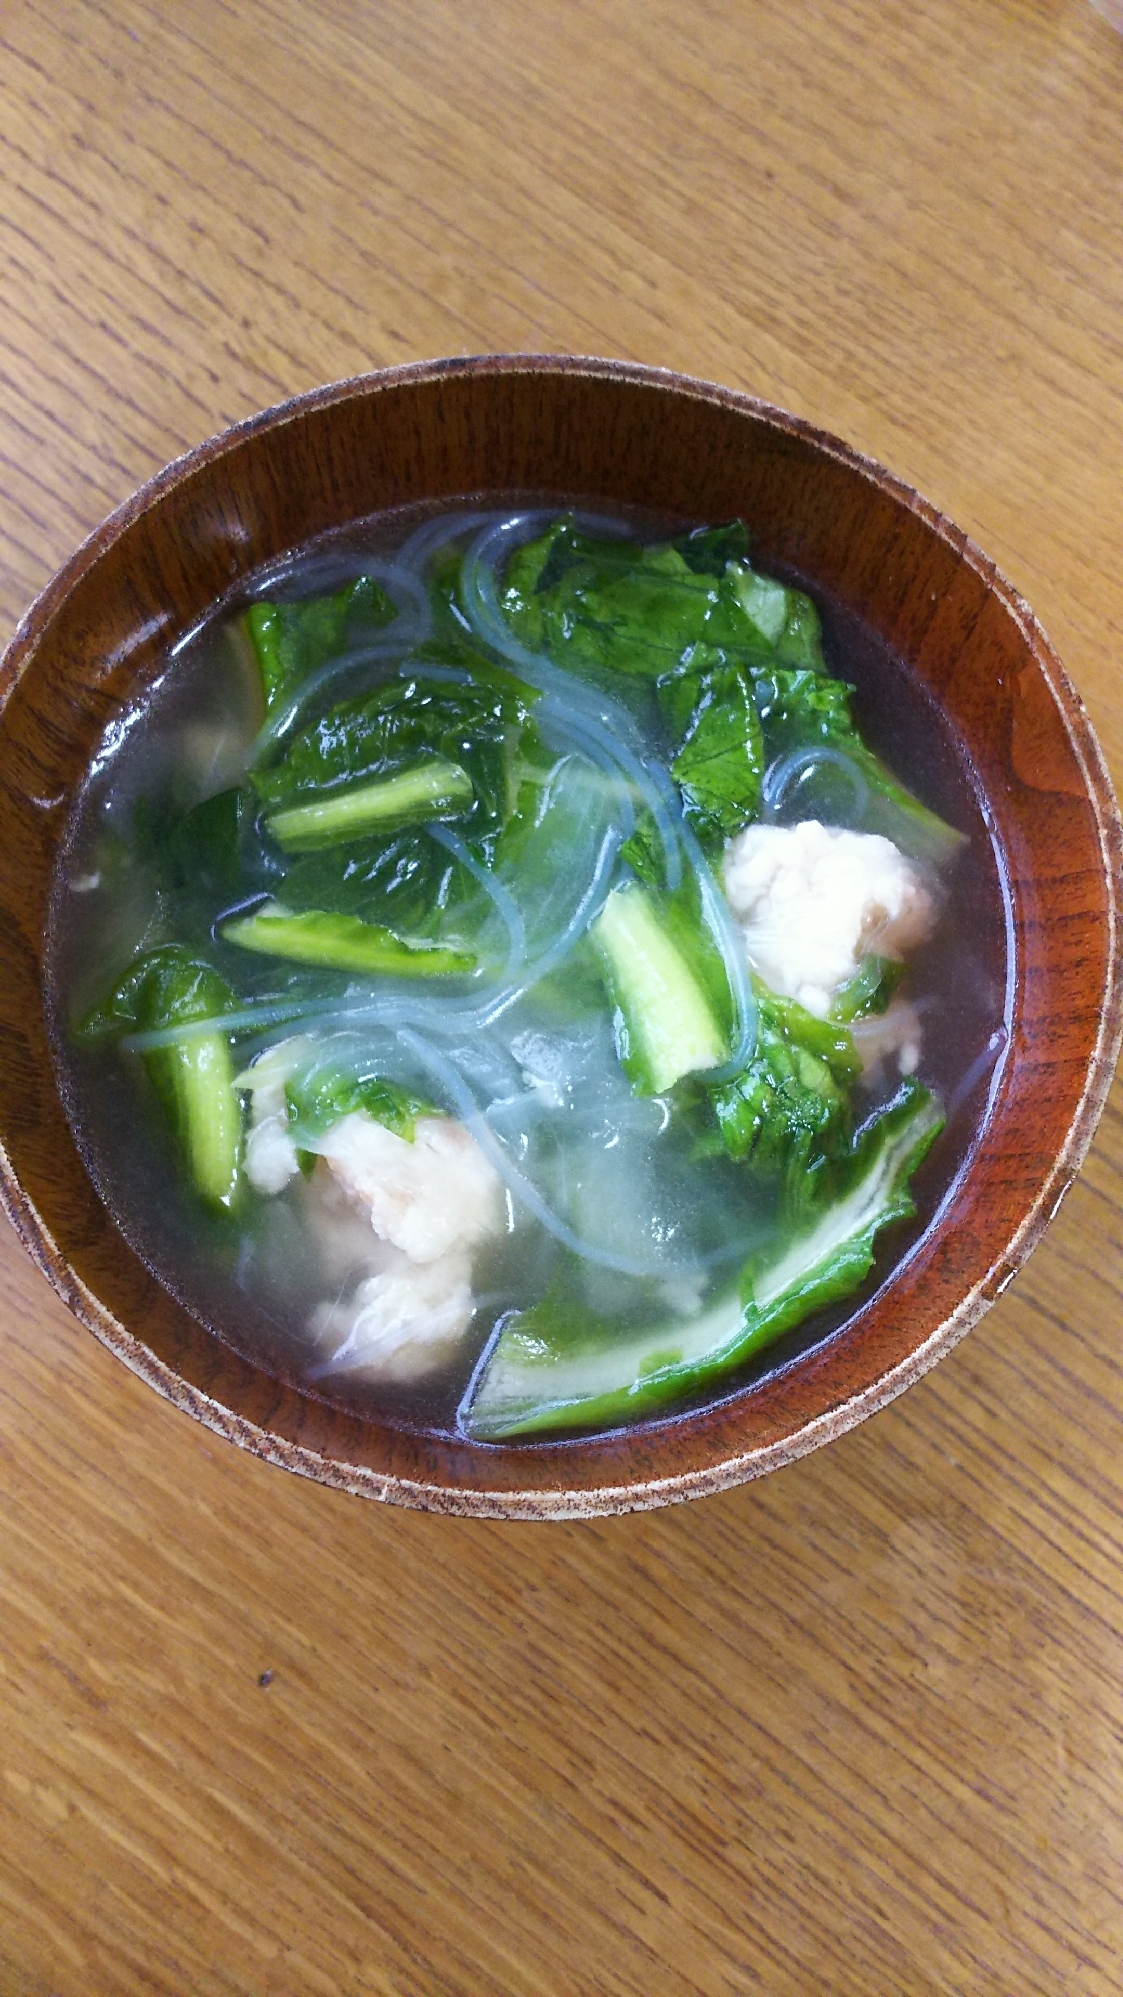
(614,433)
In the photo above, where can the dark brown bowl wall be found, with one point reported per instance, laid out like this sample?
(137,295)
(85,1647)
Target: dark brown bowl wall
(612,433)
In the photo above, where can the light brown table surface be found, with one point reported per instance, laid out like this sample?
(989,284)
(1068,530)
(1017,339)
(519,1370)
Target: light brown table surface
(857,1728)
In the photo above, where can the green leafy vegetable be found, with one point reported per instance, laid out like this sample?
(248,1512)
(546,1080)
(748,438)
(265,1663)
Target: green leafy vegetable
(644,852)
(201,853)
(450,626)
(194,1078)
(205,859)
(341,943)
(323,1092)
(434,788)
(836,1255)
(803,710)
(721,641)
(785,618)
(869,990)
(405,877)
(476,738)
(595,605)
(559,1366)
(709,550)
(413,884)
(787,1115)
(719,763)
(666,1025)
(292,640)
(479,726)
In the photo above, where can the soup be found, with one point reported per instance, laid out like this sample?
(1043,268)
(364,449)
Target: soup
(526,970)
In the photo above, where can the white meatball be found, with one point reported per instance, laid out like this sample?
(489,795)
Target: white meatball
(430,1203)
(430,1197)
(401,1323)
(420,1207)
(271,1159)
(812,900)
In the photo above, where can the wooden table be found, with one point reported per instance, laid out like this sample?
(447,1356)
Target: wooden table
(854,1729)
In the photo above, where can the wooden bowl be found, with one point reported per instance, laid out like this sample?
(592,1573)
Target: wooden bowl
(614,433)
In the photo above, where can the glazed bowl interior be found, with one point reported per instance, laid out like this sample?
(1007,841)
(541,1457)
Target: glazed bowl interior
(609,434)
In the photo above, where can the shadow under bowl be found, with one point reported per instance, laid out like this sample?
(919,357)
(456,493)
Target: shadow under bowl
(627,436)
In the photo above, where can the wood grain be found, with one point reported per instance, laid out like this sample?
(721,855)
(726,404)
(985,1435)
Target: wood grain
(855,1728)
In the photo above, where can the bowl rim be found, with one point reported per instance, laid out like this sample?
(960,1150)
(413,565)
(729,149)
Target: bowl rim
(536,1503)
